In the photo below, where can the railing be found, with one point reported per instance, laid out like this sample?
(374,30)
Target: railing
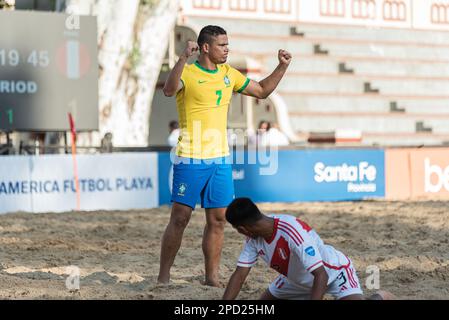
(243,5)
(31,149)
(260,9)
(332,8)
(364,9)
(418,14)
(394,10)
(276,6)
(207,4)
(267,6)
(440,13)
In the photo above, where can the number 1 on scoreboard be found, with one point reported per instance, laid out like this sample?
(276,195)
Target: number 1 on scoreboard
(10,114)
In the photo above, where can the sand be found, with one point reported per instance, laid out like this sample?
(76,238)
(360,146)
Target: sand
(117,253)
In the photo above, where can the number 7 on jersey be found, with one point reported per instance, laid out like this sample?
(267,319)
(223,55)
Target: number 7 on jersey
(219,93)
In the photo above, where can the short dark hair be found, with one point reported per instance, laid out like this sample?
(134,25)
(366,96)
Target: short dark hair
(207,33)
(173,124)
(264,121)
(242,211)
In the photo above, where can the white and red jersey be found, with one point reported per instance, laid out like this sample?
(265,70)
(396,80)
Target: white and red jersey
(295,250)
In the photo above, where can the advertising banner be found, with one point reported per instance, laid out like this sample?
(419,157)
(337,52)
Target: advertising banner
(417,174)
(14,171)
(290,175)
(429,173)
(316,175)
(106,182)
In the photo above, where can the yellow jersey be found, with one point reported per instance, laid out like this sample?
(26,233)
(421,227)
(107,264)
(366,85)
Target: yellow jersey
(203,105)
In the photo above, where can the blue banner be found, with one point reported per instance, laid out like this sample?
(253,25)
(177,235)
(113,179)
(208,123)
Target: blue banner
(165,172)
(316,175)
(300,175)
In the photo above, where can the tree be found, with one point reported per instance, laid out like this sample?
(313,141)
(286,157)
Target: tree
(7,4)
(133,38)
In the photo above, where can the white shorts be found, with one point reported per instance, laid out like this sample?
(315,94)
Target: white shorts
(346,284)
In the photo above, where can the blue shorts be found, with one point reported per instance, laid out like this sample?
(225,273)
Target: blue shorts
(209,180)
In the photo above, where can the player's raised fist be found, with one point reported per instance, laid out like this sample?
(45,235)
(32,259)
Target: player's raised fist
(191,48)
(284,57)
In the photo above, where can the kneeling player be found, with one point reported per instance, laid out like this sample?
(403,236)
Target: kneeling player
(308,268)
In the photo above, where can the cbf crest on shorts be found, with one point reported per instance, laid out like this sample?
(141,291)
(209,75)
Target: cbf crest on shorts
(182,189)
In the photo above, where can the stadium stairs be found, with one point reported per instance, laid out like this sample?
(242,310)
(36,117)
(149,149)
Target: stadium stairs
(390,84)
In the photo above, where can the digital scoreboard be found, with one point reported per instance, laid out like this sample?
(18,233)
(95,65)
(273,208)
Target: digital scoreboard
(48,68)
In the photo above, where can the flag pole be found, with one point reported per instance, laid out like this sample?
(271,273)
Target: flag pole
(75,167)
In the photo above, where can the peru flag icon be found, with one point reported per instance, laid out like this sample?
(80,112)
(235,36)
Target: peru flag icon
(73,59)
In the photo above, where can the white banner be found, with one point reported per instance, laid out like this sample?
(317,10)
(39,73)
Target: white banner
(107,182)
(13,171)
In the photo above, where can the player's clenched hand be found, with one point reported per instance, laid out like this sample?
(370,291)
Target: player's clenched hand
(190,49)
(284,57)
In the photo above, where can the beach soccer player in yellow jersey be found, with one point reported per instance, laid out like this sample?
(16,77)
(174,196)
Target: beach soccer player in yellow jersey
(202,168)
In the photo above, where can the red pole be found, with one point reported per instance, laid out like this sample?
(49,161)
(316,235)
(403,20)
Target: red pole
(75,167)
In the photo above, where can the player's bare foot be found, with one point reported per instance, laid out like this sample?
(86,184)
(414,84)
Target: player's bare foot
(163,280)
(213,283)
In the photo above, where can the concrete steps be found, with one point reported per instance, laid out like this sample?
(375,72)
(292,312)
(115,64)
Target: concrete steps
(368,122)
(423,37)
(366,66)
(357,85)
(410,68)
(311,30)
(363,104)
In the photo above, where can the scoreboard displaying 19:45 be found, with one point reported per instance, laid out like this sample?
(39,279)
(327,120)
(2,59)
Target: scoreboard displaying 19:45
(48,67)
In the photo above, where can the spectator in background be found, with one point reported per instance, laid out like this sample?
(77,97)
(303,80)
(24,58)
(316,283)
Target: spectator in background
(173,136)
(38,139)
(106,143)
(274,137)
(255,139)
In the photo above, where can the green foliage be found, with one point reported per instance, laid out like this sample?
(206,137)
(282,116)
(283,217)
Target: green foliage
(134,57)
(149,3)
(3,4)
(52,4)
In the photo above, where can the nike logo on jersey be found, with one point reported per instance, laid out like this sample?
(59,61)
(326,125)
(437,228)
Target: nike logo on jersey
(201,81)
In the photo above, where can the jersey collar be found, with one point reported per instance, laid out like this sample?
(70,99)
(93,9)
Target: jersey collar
(204,69)
(275,229)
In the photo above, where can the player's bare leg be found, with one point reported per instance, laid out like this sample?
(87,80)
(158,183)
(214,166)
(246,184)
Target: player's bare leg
(267,296)
(354,297)
(213,243)
(172,238)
